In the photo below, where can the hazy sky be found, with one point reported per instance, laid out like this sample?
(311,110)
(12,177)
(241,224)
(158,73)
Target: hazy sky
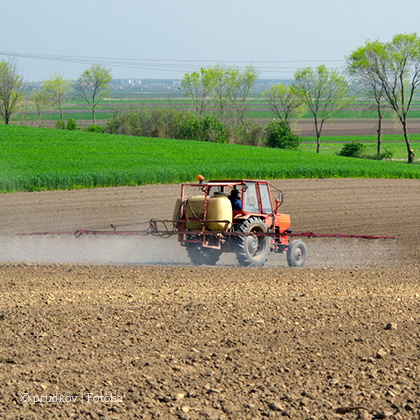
(167,38)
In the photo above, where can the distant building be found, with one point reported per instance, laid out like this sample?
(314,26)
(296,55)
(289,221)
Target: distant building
(126,82)
(146,84)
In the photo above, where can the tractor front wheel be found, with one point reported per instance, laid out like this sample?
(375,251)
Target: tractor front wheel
(200,256)
(296,254)
(252,250)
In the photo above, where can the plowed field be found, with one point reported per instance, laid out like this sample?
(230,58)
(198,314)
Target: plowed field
(124,327)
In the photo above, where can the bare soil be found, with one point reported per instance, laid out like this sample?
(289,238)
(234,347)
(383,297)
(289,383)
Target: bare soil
(358,127)
(124,327)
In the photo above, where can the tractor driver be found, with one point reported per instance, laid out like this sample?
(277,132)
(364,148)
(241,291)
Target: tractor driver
(235,199)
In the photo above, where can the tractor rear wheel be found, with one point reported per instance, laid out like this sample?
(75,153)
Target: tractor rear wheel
(252,250)
(200,256)
(296,254)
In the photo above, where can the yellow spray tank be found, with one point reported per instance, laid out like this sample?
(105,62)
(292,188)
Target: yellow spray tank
(219,207)
(194,209)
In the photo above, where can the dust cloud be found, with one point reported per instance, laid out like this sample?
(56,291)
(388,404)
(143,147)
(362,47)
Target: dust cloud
(92,249)
(350,253)
(150,250)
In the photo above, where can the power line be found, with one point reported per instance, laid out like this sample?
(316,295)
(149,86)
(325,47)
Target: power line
(179,65)
(103,59)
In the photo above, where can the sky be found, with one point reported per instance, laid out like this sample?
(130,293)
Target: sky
(164,39)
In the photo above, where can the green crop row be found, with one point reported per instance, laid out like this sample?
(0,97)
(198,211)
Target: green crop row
(34,159)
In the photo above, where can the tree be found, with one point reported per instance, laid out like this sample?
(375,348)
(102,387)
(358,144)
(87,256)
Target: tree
(395,67)
(224,82)
(284,101)
(42,101)
(369,84)
(93,86)
(278,134)
(381,107)
(245,80)
(198,85)
(374,101)
(56,89)
(11,89)
(324,92)
(227,88)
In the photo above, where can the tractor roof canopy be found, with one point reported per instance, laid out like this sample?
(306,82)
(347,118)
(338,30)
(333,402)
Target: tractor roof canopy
(224,183)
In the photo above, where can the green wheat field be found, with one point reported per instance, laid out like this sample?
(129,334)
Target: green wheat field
(35,159)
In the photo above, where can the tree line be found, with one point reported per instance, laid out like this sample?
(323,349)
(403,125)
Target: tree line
(386,74)
(92,86)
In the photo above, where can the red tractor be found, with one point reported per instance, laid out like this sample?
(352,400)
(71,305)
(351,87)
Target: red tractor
(218,216)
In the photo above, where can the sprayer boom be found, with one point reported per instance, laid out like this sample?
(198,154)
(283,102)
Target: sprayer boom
(165,231)
(334,235)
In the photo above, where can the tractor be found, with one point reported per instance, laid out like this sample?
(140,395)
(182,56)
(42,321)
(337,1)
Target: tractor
(234,216)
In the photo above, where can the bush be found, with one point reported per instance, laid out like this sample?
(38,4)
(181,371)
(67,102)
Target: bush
(387,154)
(278,134)
(118,123)
(71,124)
(203,129)
(147,122)
(171,122)
(61,125)
(250,135)
(94,129)
(353,149)
(213,130)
